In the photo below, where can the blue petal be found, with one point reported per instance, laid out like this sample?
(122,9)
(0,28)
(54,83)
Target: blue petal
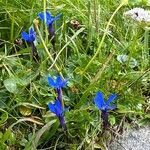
(58,103)
(32,35)
(58,107)
(48,19)
(25,36)
(99,101)
(41,16)
(49,22)
(111,98)
(52,19)
(32,38)
(57,17)
(60,82)
(31,31)
(64,83)
(52,108)
(111,107)
(51,82)
(48,15)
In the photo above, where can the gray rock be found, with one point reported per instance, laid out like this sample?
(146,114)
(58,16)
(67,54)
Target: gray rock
(133,140)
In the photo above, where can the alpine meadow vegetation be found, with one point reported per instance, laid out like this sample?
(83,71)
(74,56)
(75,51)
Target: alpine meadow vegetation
(74,74)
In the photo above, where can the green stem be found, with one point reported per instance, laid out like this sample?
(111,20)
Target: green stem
(44,8)
(47,51)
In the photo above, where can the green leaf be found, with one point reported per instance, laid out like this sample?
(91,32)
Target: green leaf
(1,135)
(8,136)
(145,121)
(23,142)
(3,117)
(41,131)
(112,119)
(2,146)
(10,85)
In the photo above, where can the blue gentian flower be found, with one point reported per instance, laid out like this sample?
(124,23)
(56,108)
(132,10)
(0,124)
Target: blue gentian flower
(57,109)
(104,106)
(101,104)
(57,83)
(49,19)
(29,37)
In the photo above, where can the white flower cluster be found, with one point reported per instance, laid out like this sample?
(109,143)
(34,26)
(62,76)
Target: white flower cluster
(139,14)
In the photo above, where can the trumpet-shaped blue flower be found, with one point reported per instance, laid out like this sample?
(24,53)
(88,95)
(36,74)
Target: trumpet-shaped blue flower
(29,37)
(57,83)
(104,106)
(57,109)
(101,104)
(48,18)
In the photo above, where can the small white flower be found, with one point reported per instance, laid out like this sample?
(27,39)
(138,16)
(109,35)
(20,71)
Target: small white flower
(138,14)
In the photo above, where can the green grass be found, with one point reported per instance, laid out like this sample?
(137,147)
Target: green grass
(88,57)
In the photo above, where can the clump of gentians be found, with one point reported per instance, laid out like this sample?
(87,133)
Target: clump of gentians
(30,38)
(58,106)
(139,14)
(49,20)
(104,106)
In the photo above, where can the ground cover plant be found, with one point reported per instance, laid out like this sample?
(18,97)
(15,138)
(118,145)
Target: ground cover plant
(74,74)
